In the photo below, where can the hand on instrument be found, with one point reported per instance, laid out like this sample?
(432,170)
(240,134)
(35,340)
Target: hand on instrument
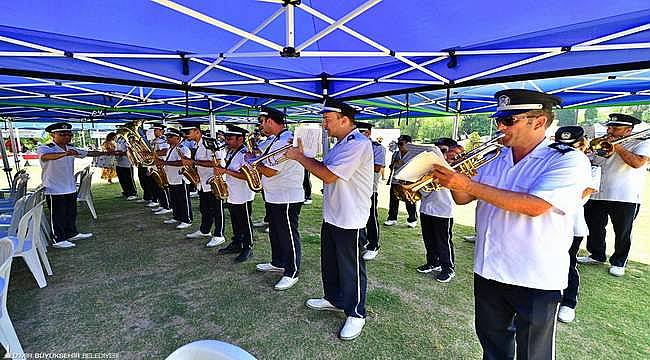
(295,152)
(218,170)
(186,162)
(71,152)
(450,179)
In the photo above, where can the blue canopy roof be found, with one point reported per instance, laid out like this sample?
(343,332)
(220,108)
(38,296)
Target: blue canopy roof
(347,49)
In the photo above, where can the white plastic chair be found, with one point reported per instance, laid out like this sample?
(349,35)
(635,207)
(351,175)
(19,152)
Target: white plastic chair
(85,194)
(26,243)
(210,350)
(8,336)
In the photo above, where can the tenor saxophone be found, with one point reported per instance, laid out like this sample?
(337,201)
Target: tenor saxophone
(217,183)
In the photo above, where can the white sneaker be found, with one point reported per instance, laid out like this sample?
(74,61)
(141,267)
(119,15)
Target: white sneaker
(81,236)
(157,208)
(153,204)
(617,270)
(566,314)
(197,234)
(390,222)
(285,283)
(267,267)
(370,254)
(183,225)
(307,201)
(260,224)
(131,198)
(163,212)
(63,245)
(266,230)
(412,224)
(170,221)
(140,201)
(321,304)
(587,260)
(194,194)
(470,238)
(352,328)
(216,241)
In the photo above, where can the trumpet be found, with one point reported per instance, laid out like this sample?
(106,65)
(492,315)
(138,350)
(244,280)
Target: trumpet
(251,171)
(601,146)
(217,183)
(466,164)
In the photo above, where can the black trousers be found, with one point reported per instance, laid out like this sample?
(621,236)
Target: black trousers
(622,215)
(148,185)
(211,210)
(372,226)
(164,197)
(180,201)
(285,237)
(242,228)
(534,312)
(393,207)
(125,176)
(343,268)
(437,235)
(570,294)
(63,215)
(306,185)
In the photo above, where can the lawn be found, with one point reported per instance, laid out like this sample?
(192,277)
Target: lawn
(140,289)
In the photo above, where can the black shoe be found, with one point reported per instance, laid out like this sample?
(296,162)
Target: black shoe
(244,255)
(445,275)
(427,268)
(232,248)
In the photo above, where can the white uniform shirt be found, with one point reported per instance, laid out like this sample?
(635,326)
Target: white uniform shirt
(238,190)
(346,201)
(379,158)
(437,203)
(619,181)
(123,160)
(205,173)
(286,186)
(172,172)
(57,175)
(527,251)
(580,226)
(160,143)
(397,155)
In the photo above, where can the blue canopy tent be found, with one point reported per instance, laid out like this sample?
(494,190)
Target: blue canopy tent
(306,50)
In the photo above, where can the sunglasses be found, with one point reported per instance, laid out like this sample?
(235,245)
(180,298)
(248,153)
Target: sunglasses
(511,120)
(66,133)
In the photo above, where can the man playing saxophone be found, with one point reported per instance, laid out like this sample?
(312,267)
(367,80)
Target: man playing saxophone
(160,147)
(282,183)
(178,185)
(619,198)
(240,196)
(211,207)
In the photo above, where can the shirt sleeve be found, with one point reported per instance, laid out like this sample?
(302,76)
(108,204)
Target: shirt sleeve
(44,149)
(348,159)
(642,148)
(563,181)
(270,163)
(82,152)
(379,155)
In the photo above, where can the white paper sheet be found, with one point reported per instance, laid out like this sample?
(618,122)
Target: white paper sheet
(421,164)
(311,140)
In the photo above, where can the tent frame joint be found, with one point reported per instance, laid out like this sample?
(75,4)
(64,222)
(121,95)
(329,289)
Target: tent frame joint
(289,51)
(286,3)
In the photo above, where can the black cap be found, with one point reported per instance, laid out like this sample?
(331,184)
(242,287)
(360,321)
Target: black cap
(406,138)
(331,105)
(622,120)
(234,130)
(276,115)
(189,125)
(569,134)
(60,126)
(363,125)
(157,125)
(518,101)
(445,141)
(172,131)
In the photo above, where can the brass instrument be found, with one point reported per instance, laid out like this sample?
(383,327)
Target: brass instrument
(189,172)
(252,173)
(251,141)
(138,150)
(158,173)
(217,183)
(466,164)
(601,146)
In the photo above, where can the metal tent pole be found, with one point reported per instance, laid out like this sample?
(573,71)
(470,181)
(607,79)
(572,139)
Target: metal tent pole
(15,147)
(5,160)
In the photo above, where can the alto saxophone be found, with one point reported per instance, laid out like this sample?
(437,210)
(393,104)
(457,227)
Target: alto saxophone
(217,183)
(158,173)
(189,172)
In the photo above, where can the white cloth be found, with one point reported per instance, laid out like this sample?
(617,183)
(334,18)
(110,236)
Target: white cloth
(437,203)
(286,186)
(580,226)
(238,190)
(397,155)
(619,181)
(123,160)
(160,143)
(172,172)
(518,249)
(205,173)
(57,175)
(379,158)
(346,201)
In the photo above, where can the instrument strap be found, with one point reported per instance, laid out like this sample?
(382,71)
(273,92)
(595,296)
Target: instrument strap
(277,137)
(232,155)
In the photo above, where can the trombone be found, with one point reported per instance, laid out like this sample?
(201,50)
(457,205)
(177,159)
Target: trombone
(604,147)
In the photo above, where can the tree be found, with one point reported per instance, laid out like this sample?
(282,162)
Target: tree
(591,116)
(566,117)
(479,123)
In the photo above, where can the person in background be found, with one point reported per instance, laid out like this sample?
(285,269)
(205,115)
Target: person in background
(108,171)
(393,206)
(306,186)
(124,170)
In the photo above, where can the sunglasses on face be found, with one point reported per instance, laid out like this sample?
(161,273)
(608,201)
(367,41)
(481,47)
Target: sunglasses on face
(64,133)
(511,120)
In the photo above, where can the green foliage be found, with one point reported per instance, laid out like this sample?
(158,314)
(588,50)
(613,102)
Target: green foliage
(479,123)
(385,123)
(433,128)
(473,140)
(567,117)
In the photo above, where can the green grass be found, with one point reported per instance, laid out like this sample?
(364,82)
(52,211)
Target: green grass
(141,289)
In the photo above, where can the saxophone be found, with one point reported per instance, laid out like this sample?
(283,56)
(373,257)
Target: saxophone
(158,173)
(217,183)
(189,172)
(251,171)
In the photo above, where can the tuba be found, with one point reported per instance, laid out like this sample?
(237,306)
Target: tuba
(138,150)
(601,146)
(466,164)
(252,173)
(217,183)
